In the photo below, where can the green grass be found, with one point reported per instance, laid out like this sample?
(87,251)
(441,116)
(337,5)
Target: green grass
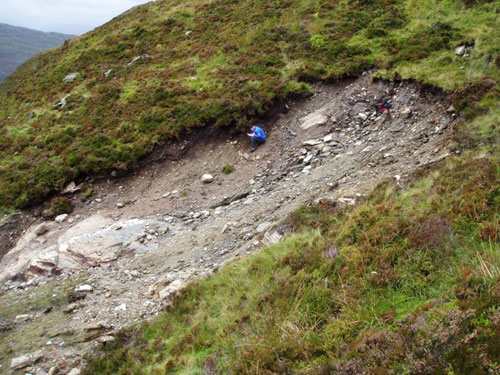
(221,63)
(413,289)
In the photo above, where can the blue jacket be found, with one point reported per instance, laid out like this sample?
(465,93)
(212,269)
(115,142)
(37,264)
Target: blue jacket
(259,133)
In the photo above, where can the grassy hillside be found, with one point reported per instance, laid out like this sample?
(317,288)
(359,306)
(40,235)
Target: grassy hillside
(219,63)
(18,44)
(405,283)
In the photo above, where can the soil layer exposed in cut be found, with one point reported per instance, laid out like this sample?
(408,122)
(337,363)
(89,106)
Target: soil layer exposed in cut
(138,238)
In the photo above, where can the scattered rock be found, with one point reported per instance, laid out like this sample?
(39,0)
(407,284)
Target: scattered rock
(72,307)
(460,51)
(105,339)
(314,119)
(328,138)
(263,227)
(62,103)
(61,218)
(450,109)
(135,59)
(84,288)
(76,296)
(272,238)
(122,307)
(26,360)
(71,188)
(362,116)
(120,205)
(207,178)
(41,229)
(71,77)
(406,111)
(74,371)
(172,288)
(312,142)
(308,159)
(348,201)
(23,318)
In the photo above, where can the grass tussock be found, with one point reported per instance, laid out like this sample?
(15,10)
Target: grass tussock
(221,63)
(407,282)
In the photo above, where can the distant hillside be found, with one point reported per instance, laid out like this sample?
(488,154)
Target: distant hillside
(18,44)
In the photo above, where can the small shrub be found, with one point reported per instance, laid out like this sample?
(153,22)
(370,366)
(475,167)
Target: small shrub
(58,206)
(228,169)
(317,41)
(87,193)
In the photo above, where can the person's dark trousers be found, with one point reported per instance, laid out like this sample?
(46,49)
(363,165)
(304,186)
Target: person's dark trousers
(256,142)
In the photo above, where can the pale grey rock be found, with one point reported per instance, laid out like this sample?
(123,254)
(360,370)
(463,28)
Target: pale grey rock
(314,119)
(263,227)
(71,77)
(312,142)
(406,112)
(41,229)
(61,104)
(460,51)
(26,360)
(84,288)
(23,318)
(74,371)
(328,138)
(108,72)
(272,238)
(172,288)
(135,59)
(362,116)
(104,339)
(308,159)
(348,201)
(71,188)
(61,218)
(207,178)
(121,307)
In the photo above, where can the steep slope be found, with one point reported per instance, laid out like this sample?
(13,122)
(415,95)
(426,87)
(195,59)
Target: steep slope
(166,67)
(135,235)
(18,44)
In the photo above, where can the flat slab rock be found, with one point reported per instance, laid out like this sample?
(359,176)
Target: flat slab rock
(314,119)
(95,241)
(26,360)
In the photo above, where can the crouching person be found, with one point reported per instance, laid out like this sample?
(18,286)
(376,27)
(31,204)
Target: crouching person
(257,137)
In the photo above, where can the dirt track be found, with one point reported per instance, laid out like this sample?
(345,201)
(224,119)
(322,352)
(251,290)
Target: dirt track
(191,228)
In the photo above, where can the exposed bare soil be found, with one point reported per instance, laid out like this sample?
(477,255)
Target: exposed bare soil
(191,229)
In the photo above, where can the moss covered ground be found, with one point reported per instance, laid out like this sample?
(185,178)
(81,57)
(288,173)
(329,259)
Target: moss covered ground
(221,63)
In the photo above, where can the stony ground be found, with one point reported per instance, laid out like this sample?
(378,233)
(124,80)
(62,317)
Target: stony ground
(137,239)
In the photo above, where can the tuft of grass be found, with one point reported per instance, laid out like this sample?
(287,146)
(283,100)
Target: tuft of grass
(228,169)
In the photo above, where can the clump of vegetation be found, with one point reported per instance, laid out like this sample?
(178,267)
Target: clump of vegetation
(58,206)
(87,193)
(228,169)
(404,283)
(216,63)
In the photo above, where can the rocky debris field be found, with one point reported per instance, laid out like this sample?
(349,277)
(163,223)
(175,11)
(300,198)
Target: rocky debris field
(69,285)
